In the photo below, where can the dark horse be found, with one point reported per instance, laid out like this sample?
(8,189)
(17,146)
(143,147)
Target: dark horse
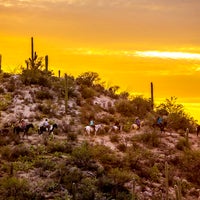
(161,126)
(44,129)
(18,129)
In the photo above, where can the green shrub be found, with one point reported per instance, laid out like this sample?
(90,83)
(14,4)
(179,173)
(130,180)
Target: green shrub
(44,94)
(151,139)
(88,92)
(45,164)
(182,144)
(72,137)
(190,162)
(14,188)
(124,107)
(82,156)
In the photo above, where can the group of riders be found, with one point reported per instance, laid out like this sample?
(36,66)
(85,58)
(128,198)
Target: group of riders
(159,123)
(45,124)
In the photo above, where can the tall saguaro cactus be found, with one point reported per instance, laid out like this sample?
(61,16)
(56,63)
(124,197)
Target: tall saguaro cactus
(167,180)
(0,62)
(32,49)
(66,93)
(152,97)
(46,63)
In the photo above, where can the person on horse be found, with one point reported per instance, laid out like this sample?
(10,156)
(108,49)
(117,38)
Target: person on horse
(159,121)
(117,125)
(92,123)
(22,124)
(137,121)
(46,124)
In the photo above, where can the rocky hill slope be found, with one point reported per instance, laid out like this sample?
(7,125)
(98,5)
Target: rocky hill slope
(129,164)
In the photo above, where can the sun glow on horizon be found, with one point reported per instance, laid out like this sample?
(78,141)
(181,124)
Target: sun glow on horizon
(167,54)
(135,53)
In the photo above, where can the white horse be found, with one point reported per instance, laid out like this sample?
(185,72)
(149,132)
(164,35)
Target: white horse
(114,129)
(89,129)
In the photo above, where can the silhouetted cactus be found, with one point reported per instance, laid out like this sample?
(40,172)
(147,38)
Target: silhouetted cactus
(152,97)
(46,63)
(0,62)
(66,93)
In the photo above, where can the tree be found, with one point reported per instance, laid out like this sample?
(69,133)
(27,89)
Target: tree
(88,79)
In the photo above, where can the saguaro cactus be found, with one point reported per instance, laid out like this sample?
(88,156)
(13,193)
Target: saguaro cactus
(178,190)
(32,49)
(167,180)
(66,93)
(0,62)
(46,62)
(152,97)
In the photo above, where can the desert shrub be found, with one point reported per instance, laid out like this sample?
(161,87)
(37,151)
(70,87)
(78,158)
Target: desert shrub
(122,147)
(43,94)
(70,176)
(135,158)
(106,156)
(36,77)
(1,90)
(154,173)
(82,156)
(53,147)
(10,87)
(88,79)
(14,188)
(182,144)
(190,162)
(5,101)
(72,137)
(88,92)
(151,139)
(124,107)
(16,152)
(45,109)
(114,138)
(119,178)
(86,189)
(141,106)
(44,164)
(5,141)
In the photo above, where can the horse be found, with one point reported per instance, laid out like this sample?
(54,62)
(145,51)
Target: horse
(198,129)
(162,126)
(135,127)
(18,129)
(89,129)
(115,129)
(50,130)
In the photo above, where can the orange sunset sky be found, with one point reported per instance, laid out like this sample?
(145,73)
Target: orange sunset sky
(129,43)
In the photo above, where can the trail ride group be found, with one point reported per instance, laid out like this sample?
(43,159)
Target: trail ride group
(91,129)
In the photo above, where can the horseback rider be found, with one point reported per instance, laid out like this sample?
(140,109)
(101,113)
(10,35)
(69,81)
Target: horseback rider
(159,121)
(22,124)
(137,121)
(92,123)
(46,124)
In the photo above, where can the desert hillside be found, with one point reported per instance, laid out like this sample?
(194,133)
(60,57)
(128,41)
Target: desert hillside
(125,164)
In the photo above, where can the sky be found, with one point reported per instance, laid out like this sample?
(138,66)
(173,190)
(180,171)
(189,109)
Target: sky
(129,43)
